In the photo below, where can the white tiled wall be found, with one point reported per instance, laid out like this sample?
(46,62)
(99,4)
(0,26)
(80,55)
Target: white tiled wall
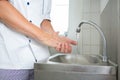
(89,42)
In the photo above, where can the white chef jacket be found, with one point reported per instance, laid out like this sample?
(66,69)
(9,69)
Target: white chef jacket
(16,50)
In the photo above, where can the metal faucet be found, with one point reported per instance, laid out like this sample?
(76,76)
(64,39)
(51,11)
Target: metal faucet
(104,55)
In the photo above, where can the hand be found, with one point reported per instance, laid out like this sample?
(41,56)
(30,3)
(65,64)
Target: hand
(66,46)
(63,38)
(61,44)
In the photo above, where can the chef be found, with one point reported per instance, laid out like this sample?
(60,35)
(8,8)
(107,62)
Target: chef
(25,35)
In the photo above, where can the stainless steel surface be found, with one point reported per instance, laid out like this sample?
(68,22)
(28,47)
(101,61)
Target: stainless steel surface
(82,67)
(75,59)
(104,58)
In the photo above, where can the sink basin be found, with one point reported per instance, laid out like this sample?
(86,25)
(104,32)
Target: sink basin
(75,59)
(75,67)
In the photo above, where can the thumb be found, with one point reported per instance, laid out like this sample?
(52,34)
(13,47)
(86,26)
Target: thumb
(73,42)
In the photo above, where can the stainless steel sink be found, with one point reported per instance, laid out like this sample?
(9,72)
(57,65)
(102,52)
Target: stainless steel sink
(75,59)
(75,67)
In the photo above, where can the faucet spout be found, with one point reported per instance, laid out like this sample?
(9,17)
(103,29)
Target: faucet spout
(104,55)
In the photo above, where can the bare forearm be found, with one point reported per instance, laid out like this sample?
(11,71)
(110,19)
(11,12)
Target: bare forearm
(46,26)
(11,17)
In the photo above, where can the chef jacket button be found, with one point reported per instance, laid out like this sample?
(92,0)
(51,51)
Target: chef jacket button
(30,21)
(29,40)
(28,3)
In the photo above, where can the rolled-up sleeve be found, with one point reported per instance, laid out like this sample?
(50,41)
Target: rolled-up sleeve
(46,9)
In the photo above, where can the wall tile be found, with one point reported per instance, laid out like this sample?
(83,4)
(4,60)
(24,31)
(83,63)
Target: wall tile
(94,49)
(86,36)
(95,37)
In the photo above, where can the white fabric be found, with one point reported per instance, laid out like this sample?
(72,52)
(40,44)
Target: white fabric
(16,52)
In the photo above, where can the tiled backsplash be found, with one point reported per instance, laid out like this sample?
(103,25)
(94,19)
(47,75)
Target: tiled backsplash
(89,42)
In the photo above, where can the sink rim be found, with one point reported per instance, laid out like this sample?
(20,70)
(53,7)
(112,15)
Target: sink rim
(85,69)
(98,64)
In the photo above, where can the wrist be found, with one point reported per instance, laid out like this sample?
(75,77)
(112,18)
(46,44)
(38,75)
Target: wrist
(47,20)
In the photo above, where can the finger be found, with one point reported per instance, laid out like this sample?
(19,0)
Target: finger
(69,41)
(69,49)
(73,42)
(66,48)
(62,47)
(58,48)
